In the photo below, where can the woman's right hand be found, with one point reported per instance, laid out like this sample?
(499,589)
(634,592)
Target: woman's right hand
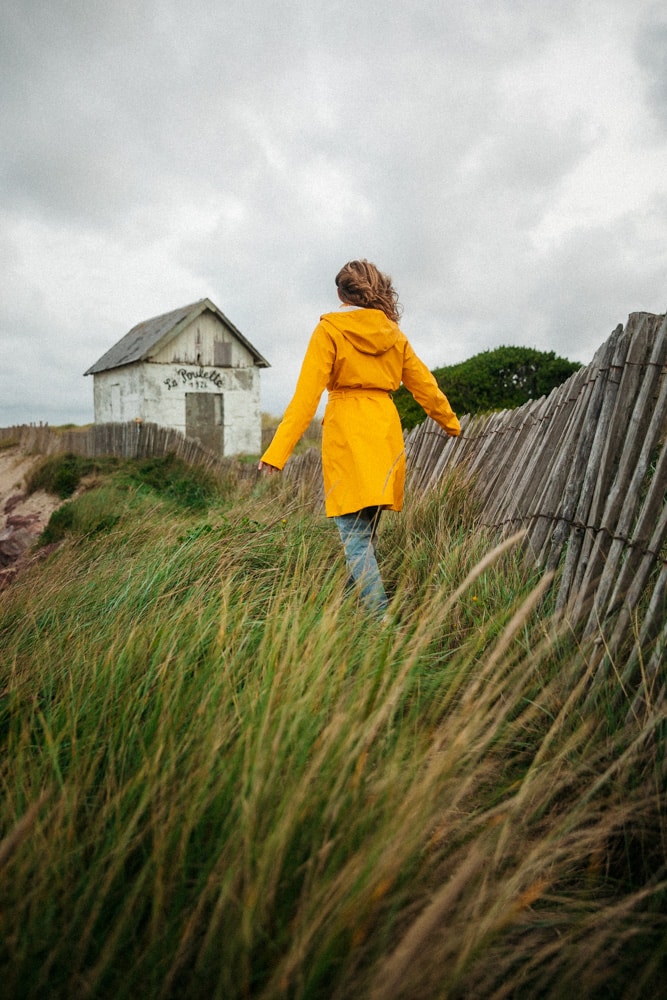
(268,469)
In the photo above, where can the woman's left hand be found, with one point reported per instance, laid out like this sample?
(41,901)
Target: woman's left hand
(269,469)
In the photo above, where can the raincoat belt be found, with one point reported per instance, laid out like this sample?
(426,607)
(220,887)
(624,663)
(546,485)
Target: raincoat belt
(342,393)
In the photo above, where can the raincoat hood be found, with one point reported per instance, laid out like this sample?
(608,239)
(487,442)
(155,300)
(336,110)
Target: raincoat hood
(368,330)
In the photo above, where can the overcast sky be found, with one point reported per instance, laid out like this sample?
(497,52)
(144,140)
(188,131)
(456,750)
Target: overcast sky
(504,160)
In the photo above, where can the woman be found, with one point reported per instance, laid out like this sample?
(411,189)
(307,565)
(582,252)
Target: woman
(361,356)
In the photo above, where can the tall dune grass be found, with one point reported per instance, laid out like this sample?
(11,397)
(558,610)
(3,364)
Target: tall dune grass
(221,779)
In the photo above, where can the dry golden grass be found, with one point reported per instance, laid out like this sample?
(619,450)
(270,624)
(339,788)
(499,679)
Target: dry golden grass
(221,779)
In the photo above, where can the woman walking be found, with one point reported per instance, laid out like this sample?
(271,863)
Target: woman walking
(360,355)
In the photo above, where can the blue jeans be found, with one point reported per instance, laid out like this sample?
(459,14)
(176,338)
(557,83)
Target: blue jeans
(357,533)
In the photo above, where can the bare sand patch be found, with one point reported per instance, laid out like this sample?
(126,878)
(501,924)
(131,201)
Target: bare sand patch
(15,467)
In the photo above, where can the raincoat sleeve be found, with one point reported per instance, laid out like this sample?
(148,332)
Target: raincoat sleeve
(313,378)
(422,384)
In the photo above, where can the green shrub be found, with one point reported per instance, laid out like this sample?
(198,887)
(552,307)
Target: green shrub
(190,486)
(60,524)
(95,511)
(61,474)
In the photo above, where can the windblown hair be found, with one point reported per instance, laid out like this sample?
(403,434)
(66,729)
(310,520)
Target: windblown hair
(361,284)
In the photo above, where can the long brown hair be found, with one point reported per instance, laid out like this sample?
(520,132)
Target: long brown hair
(361,284)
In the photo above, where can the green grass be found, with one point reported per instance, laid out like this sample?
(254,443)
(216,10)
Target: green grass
(220,778)
(167,475)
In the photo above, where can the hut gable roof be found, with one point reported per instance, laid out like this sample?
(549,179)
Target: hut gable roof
(144,339)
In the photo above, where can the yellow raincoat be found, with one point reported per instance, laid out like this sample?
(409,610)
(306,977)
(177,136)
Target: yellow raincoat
(361,357)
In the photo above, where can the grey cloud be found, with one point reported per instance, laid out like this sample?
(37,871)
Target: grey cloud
(155,153)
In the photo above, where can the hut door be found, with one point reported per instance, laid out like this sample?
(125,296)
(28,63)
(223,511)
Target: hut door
(204,419)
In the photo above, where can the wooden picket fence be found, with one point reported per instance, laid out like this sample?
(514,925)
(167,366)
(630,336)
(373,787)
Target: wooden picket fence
(128,440)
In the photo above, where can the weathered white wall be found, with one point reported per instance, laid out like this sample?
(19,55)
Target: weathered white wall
(155,390)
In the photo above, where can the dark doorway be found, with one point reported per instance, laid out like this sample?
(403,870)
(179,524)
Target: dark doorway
(204,413)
